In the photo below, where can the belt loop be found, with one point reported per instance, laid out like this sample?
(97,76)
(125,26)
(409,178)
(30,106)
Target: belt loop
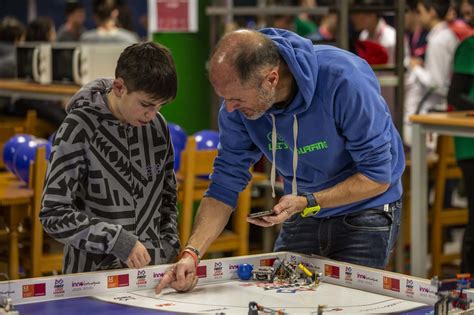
(386,207)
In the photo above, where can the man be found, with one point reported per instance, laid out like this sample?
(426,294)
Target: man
(73,28)
(279,89)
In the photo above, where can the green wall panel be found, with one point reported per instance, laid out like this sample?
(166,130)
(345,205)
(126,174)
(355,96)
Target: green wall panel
(192,107)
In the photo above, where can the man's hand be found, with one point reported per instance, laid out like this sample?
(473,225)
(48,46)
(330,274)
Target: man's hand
(139,257)
(181,276)
(284,209)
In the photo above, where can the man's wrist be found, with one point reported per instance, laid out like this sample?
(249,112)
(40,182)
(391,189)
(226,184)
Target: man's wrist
(312,206)
(193,252)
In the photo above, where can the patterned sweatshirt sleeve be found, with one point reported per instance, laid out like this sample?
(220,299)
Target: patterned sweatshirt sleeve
(169,211)
(62,214)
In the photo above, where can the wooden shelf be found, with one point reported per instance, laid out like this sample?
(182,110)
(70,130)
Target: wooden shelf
(35,90)
(267,10)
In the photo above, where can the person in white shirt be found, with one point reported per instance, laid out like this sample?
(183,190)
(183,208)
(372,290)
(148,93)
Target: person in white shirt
(435,74)
(432,76)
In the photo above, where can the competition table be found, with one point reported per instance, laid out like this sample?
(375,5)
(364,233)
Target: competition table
(454,124)
(345,288)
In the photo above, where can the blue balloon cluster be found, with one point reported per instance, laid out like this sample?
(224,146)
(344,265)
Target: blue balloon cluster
(207,139)
(19,151)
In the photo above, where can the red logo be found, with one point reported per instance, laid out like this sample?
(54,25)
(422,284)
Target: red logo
(331,271)
(267,262)
(391,284)
(201,271)
(31,290)
(117,281)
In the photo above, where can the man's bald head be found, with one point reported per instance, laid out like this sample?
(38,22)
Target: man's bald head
(244,53)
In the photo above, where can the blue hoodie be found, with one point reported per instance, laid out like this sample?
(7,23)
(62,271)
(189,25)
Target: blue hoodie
(343,127)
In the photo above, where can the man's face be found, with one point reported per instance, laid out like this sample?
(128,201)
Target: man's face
(425,15)
(138,108)
(78,17)
(252,100)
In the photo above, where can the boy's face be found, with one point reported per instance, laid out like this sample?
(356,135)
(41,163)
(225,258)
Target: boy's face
(138,108)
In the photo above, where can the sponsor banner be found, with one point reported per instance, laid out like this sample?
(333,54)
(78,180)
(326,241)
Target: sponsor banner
(88,284)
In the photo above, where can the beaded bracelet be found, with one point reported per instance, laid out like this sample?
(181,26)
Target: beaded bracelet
(193,255)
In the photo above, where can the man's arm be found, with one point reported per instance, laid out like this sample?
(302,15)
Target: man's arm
(211,218)
(355,188)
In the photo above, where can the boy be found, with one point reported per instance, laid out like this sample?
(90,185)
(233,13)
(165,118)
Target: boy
(110,192)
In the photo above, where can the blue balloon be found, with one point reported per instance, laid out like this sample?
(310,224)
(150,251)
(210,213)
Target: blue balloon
(207,139)
(26,154)
(179,138)
(11,147)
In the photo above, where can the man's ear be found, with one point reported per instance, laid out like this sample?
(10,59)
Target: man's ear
(118,86)
(271,79)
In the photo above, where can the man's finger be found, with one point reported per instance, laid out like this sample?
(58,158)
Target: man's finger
(165,281)
(189,281)
(260,222)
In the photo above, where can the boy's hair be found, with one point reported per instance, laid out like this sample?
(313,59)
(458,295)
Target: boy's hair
(148,67)
(72,6)
(103,9)
(11,29)
(39,29)
(441,7)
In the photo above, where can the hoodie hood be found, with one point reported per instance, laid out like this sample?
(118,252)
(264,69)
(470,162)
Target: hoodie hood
(303,63)
(88,93)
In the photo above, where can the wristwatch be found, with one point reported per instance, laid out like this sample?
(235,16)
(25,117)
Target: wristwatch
(313,207)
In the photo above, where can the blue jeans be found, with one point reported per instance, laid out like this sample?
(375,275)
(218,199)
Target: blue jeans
(365,237)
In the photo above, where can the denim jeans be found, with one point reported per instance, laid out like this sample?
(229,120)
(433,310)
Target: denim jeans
(365,237)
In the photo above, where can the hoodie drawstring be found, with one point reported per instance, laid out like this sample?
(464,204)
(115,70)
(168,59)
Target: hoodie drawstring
(294,185)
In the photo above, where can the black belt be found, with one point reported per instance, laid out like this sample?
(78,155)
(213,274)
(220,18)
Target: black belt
(389,206)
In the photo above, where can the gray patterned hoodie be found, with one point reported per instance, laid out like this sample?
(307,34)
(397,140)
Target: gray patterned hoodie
(108,185)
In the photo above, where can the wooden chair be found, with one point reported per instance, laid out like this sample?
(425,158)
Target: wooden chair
(27,123)
(39,261)
(191,188)
(446,168)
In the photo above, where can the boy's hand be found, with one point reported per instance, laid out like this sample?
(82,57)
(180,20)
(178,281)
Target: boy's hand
(139,257)
(181,276)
